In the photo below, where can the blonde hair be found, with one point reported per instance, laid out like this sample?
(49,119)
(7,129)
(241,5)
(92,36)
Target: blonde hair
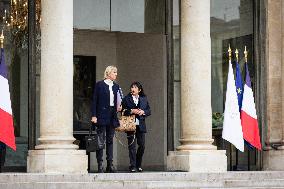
(108,70)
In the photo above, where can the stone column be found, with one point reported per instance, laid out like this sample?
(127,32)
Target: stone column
(56,152)
(282,72)
(273,153)
(196,152)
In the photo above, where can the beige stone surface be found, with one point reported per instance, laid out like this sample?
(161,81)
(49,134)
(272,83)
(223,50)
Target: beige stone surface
(275,68)
(57,161)
(197,161)
(146,180)
(273,160)
(56,102)
(274,72)
(274,130)
(195,75)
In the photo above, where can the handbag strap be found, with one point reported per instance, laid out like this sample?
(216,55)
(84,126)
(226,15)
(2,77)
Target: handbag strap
(122,112)
(91,129)
(124,145)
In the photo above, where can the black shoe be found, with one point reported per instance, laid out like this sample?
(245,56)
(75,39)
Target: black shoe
(140,169)
(132,169)
(100,168)
(110,169)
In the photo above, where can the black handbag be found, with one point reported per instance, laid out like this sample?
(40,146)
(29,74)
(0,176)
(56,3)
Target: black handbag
(94,141)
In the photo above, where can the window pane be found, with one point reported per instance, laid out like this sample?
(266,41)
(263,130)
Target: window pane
(91,14)
(127,15)
(231,23)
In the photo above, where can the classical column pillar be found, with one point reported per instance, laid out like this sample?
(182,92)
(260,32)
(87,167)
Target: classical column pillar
(56,152)
(196,152)
(273,153)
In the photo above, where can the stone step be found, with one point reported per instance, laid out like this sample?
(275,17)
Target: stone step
(145,176)
(264,187)
(124,184)
(254,183)
(150,180)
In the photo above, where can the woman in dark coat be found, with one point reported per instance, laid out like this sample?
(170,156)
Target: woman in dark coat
(136,103)
(104,115)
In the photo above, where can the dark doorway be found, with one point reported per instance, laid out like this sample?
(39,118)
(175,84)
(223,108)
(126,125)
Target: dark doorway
(84,80)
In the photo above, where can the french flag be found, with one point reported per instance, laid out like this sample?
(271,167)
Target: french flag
(232,128)
(248,115)
(6,119)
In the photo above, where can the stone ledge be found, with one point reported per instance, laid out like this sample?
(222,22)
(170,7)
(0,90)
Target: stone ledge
(163,180)
(273,160)
(57,161)
(197,161)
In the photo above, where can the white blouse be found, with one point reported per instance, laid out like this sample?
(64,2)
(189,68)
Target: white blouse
(136,100)
(110,84)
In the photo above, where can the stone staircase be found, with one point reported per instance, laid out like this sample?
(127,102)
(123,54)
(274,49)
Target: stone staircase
(146,180)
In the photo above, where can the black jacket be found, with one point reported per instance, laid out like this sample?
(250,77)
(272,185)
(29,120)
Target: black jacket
(128,104)
(101,107)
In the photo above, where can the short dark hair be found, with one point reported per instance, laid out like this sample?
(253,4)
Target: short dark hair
(137,84)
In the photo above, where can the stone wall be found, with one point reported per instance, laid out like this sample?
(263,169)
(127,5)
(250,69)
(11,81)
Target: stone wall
(142,57)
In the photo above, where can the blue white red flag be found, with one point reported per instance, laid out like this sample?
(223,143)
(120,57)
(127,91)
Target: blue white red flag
(248,115)
(239,85)
(6,118)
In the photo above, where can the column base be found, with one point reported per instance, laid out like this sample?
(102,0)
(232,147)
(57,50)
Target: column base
(57,161)
(197,161)
(273,160)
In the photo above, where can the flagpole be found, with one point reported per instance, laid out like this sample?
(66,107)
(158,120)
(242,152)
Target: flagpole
(246,54)
(246,61)
(237,55)
(237,152)
(2,40)
(230,53)
(231,147)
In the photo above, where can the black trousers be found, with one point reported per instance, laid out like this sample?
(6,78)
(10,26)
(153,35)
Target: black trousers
(135,157)
(108,133)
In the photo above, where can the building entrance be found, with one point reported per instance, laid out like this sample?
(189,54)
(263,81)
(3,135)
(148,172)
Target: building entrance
(138,57)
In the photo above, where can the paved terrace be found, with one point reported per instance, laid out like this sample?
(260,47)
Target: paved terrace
(146,180)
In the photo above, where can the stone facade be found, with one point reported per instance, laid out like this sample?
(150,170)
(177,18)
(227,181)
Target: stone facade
(196,136)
